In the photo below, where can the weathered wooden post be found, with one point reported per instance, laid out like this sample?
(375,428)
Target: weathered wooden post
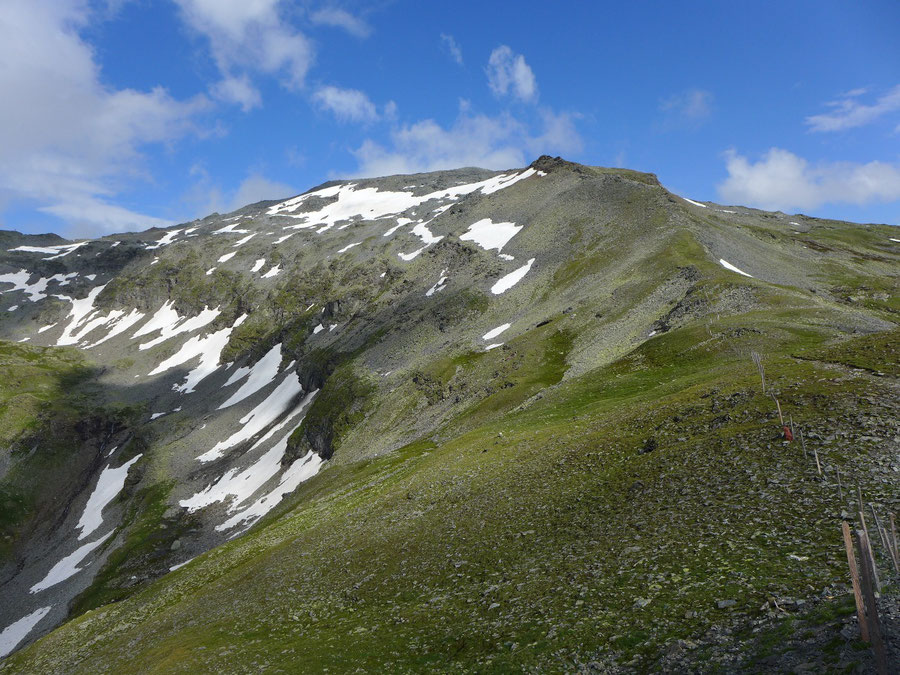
(854,582)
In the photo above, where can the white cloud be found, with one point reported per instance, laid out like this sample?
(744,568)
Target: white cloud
(500,142)
(348,105)
(339,18)
(848,112)
(256,188)
(781,181)
(250,36)
(67,141)
(449,43)
(687,108)
(237,90)
(509,74)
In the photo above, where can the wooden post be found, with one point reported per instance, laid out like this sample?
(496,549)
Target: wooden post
(868,569)
(792,425)
(780,416)
(815,454)
(881,534)
(803,443)
(862,519)
(854,581)
(840,490)
(894,532)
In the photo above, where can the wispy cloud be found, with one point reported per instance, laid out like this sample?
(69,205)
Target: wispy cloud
(70,143)
(688,108)
(347,105)
(452,48)
(849,112)
(340,18)
(493,142)
(249,37)
(782,180)
(509,74)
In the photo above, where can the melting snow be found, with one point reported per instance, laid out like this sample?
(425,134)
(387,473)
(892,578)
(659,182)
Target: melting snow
(120,323)
(272,272)
(244,240)
(167,239)
(301,470)
(262,373)
(17,631)
(493,346)
(488,234)
(242,484)
(258,265)
(35,291)
(318,329)
(169,324)
(896,240)
(55,251)
(79,312)
(230,229)
(349,246)
(439,286)
(109,485)
(210,271)
(284,238)
(13,308)
(702,206)
(68,566)
(727,265)
(208,348)
(400,223)
(511,279)
(43,328)
(260,417)
(491,334)
(226,257)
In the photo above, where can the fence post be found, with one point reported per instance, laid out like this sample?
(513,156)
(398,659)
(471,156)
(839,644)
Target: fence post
(868,573)
(854,581)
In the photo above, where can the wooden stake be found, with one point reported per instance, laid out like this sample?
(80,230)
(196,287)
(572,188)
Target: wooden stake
(780,416)
(862,519)
(854,581)
(840,490)
(868,569)
(894,532)
(803,443)
(792,425)
(815,454)
(881,535)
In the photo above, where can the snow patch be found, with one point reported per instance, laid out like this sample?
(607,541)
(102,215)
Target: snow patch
(727,265)
(258,265)
(169,324)
(491,334)
(272,272)
(511,279)
(489,235)
(260,417)
(68,566)
(108,486)
(438,286)
(17,631)
(226,257)
(262,373)
(702,206)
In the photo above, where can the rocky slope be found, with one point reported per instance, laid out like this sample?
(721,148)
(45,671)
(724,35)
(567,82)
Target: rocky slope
(464,420)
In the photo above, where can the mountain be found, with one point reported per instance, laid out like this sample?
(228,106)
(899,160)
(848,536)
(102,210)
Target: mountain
(457,421)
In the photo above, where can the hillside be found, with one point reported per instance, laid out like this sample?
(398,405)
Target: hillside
(458,421)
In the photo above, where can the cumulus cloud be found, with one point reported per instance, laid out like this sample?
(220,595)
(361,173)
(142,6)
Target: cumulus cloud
(500,142)
(250,36)
(238,90)
(452,48)
(347,105)
(848,112)
(509,75)
(339,18)
(67,142)
(687,108)
(782,181)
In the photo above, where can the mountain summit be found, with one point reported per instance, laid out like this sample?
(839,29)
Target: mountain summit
(462,420)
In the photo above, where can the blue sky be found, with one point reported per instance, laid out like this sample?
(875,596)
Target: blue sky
(125,114)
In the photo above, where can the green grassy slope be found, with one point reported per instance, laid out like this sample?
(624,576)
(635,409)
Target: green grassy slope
(545,538)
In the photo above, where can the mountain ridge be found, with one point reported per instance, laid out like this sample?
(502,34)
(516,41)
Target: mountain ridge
(393,318)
